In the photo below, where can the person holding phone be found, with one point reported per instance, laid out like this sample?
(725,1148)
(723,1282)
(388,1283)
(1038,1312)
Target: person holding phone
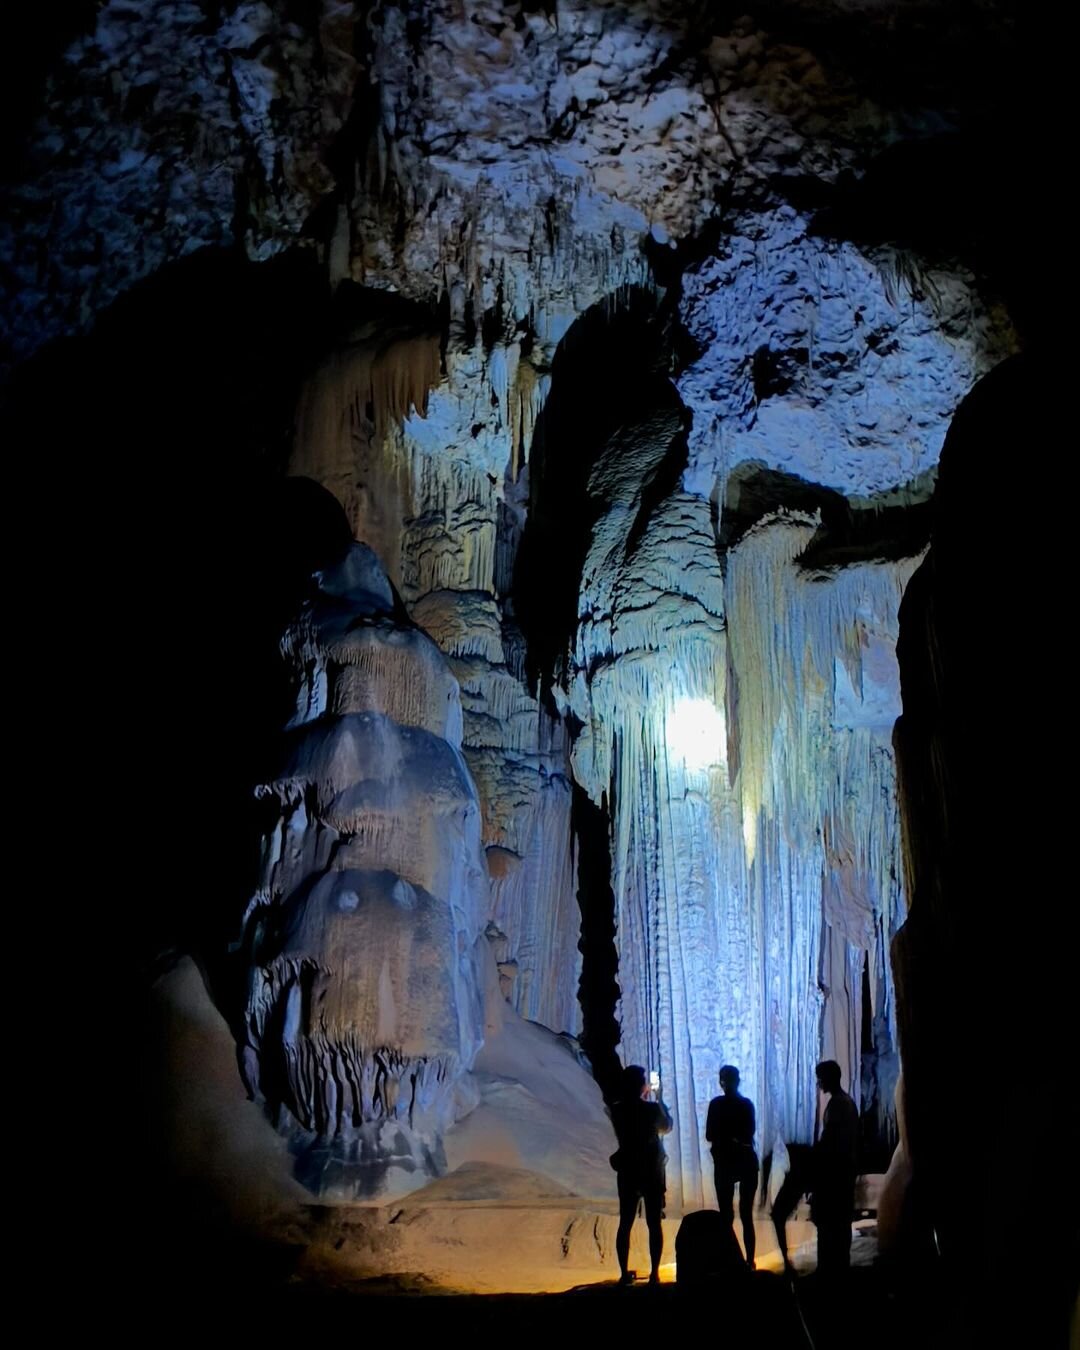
(639,1163)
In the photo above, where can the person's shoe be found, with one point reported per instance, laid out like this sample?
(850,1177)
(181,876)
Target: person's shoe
(654,1278)
(628,1277)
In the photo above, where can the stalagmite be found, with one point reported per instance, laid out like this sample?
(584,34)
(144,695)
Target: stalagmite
(366,936)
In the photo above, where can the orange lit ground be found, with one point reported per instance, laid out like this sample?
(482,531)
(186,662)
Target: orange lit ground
(511,1274)
(483,1248)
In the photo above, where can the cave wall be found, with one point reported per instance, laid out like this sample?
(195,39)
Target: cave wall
(978,1001)
(755,876)
(472,182)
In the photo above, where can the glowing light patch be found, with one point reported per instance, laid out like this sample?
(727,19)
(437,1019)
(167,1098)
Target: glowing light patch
(695,733)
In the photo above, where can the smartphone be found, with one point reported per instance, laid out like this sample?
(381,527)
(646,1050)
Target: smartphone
(654,1081)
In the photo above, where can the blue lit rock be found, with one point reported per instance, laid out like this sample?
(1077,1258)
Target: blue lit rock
(157,121)
(379,1036)
(819,361)
(366,938)
(742,726)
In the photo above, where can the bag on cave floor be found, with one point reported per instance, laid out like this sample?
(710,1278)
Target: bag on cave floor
(707,1251)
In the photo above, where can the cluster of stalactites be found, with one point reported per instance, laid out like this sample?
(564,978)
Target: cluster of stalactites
(380,380)
(814,662)
(756,855)
(432,495)
(421,451)
(335,1083)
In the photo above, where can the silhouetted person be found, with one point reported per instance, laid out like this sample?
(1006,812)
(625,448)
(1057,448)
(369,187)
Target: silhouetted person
(796,1183)
(729,1128)
(835,1167)
(640,1166)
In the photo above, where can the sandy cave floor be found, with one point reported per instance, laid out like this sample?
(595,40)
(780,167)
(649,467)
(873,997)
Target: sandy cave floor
(469,1268)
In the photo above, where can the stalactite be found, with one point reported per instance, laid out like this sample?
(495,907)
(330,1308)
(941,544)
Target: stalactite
(518,757)
(530,391)
(725,872)
(400,378)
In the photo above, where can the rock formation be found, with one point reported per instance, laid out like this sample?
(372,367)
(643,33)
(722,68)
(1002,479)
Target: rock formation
(365,938)
(626,335)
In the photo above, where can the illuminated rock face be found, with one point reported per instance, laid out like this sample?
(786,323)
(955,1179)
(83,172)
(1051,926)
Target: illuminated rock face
(365,940)
(741,725)
(724,682)
(818,361)
(729,685)
(509,162)
(426,487)
(378,1035)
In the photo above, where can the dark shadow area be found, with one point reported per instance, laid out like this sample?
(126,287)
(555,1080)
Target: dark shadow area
(766,1310)
(879,1066)
(754,491)
(980,742)
(869,534)
(610,373)
(980,196)
(598,989)
(162,551)
(847,534)
(176,551)
(163,436)
(34,39)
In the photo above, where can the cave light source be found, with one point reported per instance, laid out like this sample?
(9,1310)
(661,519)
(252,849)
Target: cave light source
(695,733)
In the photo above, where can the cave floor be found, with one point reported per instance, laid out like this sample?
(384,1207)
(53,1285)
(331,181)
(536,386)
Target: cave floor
(499,1247)
(235,1284)
(771,1312)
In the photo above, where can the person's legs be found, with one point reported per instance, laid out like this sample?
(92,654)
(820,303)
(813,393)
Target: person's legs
(787,1197)
(843,1229)
(843,1243)
(654,1211)
(628,1198)
(834,1229)
(834,1244)
(725,1193)
(747,1191)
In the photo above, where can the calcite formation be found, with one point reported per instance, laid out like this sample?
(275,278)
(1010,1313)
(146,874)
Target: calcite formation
(756,859)
(365,938)
(666,582)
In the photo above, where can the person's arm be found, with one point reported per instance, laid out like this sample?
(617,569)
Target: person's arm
(709,1122)
(664,1123)
(851,1135)
(831,1143)
(753,1122)
(824,1139)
